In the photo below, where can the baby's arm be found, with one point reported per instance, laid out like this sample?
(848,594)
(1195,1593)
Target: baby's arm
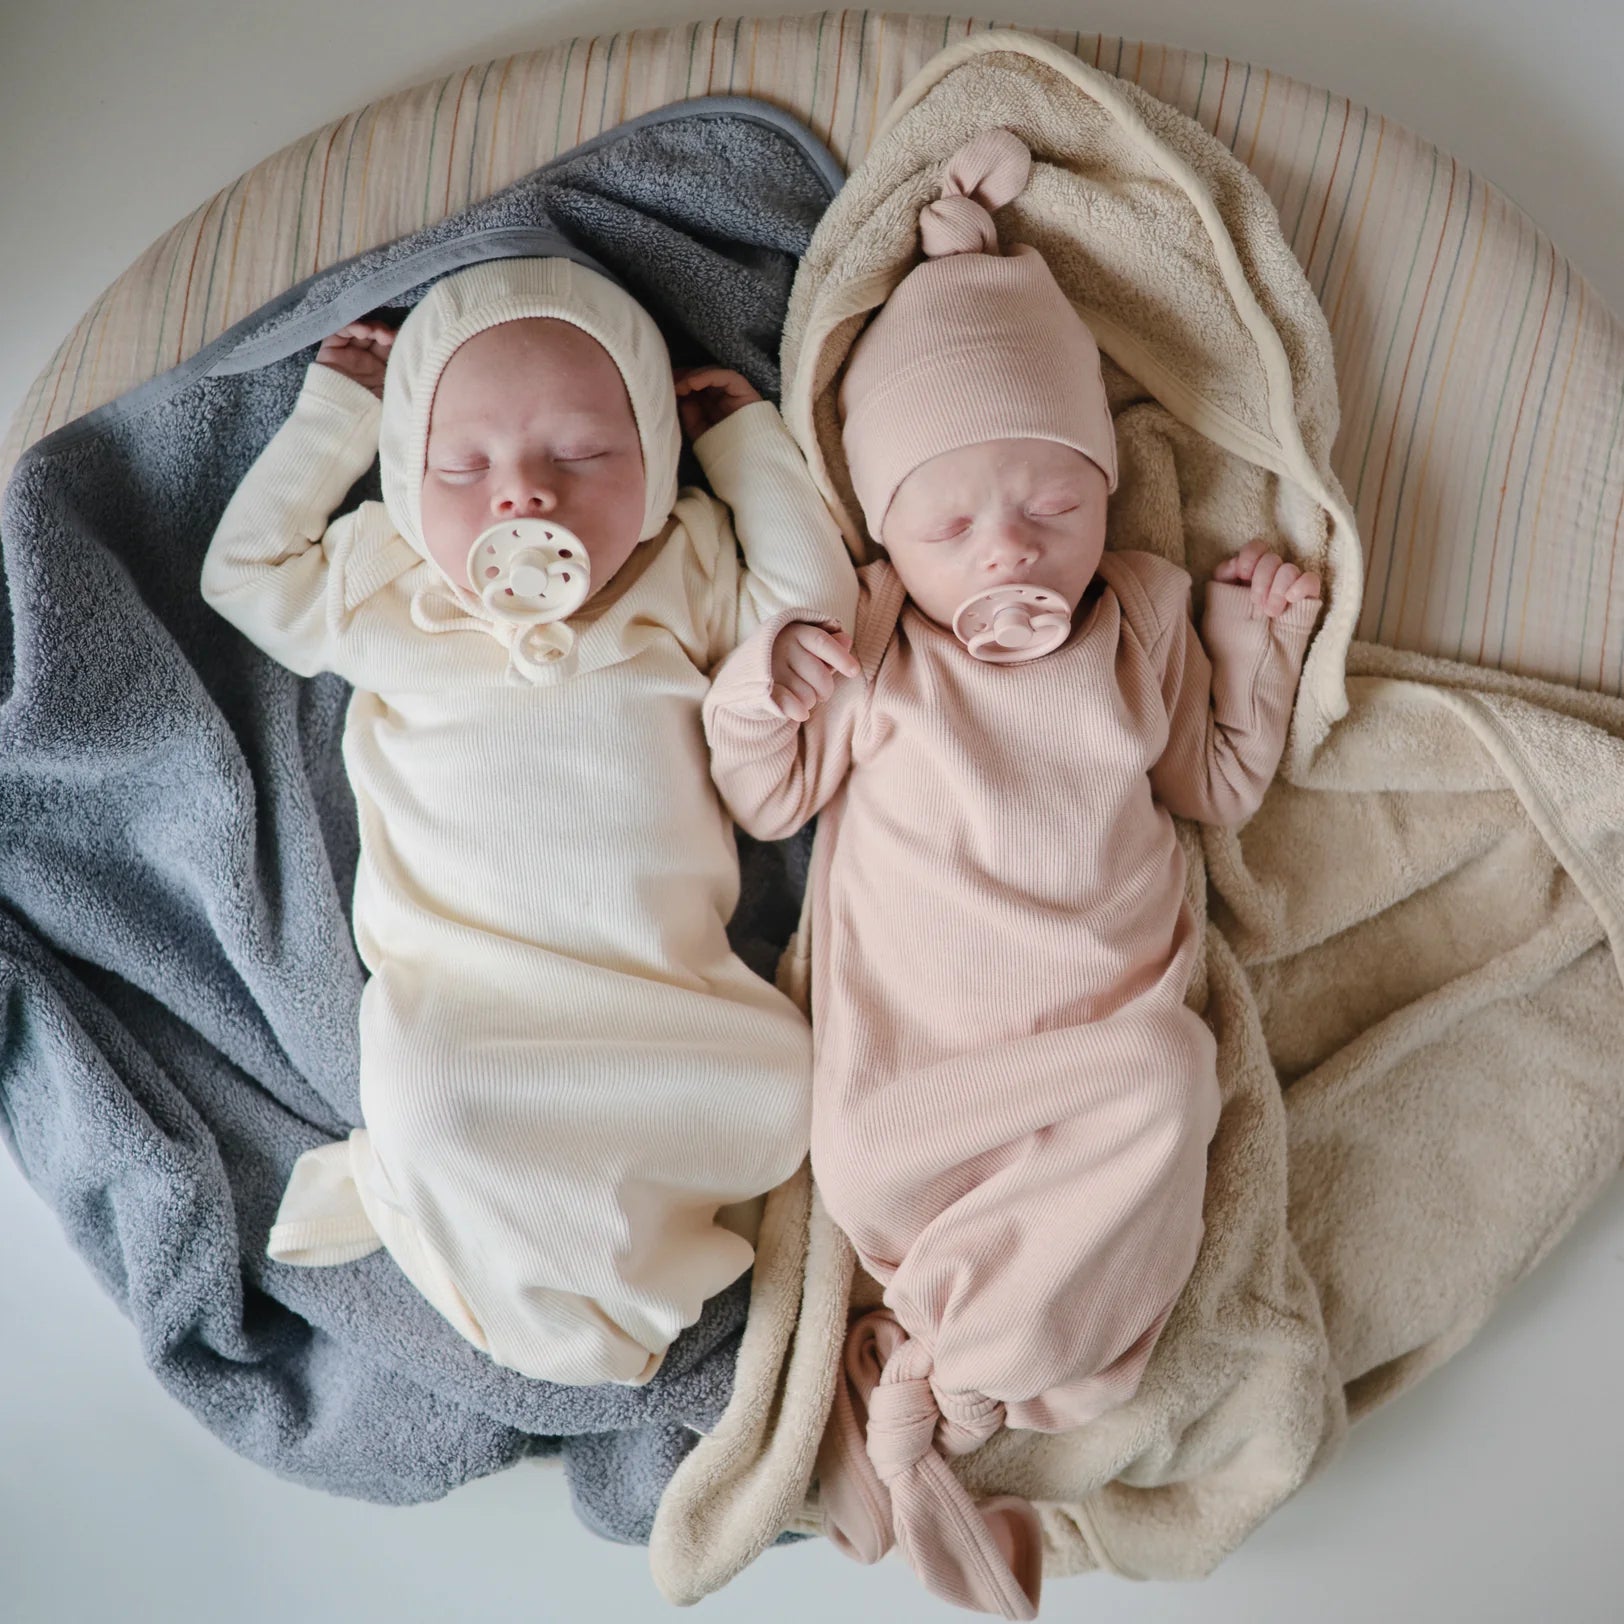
(794,557)
(1230,691)
(779,719)
(270,568)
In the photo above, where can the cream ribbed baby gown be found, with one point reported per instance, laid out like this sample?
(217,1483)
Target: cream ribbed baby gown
(565,1071)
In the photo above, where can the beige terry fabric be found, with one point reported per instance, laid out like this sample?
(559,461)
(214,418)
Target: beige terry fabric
(1412,952)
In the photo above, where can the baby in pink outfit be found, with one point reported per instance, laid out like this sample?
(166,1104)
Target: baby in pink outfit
(1011,1100)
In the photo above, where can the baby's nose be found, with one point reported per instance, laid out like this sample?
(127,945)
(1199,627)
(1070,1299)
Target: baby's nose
(525,493)
(1009,547)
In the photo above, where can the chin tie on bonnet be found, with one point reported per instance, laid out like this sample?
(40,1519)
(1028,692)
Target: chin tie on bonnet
(883,1477)
(528,576)
(524,597)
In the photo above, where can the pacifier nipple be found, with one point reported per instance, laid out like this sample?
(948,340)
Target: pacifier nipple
(1007,624)
(529,571)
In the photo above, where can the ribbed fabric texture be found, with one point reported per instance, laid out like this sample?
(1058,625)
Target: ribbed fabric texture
(565,1071)
(970,346)
(1011,1100)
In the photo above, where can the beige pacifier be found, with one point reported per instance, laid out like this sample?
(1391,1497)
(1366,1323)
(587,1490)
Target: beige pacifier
(530,574)
(530,571)
(1007,624)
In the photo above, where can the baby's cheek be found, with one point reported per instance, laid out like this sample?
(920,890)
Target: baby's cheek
(933,577)
(450,524)
(616,504)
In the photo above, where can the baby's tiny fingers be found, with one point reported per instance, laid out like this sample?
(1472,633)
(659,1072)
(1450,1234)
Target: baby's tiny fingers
(1240,566)
(832,651)
(806,664)
(792,707)
(1263,576)
(806,693)
(795,663)
(1304,587)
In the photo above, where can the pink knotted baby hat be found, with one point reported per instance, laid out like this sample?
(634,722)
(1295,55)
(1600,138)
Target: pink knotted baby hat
(973,345)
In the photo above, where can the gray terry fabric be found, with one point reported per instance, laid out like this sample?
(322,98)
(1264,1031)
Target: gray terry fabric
(617,1478)
(178,981)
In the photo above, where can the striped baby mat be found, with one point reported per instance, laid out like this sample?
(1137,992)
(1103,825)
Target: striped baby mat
(1482,380)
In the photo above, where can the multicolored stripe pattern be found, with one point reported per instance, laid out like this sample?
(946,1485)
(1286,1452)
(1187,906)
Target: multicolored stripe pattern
(1482,381)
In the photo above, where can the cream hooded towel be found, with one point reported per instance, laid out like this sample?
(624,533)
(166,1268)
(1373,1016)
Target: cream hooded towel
(1412,952)
(565,1070)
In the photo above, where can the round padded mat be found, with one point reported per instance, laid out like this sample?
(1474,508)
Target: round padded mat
(1482,380)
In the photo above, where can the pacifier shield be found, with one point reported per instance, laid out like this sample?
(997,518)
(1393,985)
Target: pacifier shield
(530,570)
(1007,624)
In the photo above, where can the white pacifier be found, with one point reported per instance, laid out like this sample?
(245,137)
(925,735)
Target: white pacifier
(1008,624)
(529,571)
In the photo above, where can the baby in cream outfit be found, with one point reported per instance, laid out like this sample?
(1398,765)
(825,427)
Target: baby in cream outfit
(565,1071)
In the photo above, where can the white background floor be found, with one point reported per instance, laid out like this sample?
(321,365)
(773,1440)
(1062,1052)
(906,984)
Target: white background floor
(1493,1493)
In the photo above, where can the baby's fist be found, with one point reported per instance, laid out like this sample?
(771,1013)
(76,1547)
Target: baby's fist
(707,395)
(360,351)
(1276,585)
(806,661)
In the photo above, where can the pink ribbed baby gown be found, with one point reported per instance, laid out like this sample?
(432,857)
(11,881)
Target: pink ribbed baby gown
(1011,1101)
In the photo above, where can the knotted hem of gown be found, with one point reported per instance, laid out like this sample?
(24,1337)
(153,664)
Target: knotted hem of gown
(884,1478)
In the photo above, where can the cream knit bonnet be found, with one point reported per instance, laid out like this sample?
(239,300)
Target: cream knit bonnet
(498,290)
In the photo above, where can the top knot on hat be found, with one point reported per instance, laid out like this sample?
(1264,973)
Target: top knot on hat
(972,345)
(989,172)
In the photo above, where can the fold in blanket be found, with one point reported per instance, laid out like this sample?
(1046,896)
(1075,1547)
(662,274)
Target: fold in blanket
(1412,952)
(178,846)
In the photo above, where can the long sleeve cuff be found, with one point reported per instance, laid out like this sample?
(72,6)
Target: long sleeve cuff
(726,451)
(328,441)
(335,389)
(743,685)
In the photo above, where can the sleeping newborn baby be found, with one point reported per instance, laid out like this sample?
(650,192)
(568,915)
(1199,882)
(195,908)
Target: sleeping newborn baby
(565,1071)
(1011,1100)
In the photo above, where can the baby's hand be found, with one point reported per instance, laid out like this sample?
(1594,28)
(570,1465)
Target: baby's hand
(806,661)
(1276,585)
(706,395)
(360,351)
